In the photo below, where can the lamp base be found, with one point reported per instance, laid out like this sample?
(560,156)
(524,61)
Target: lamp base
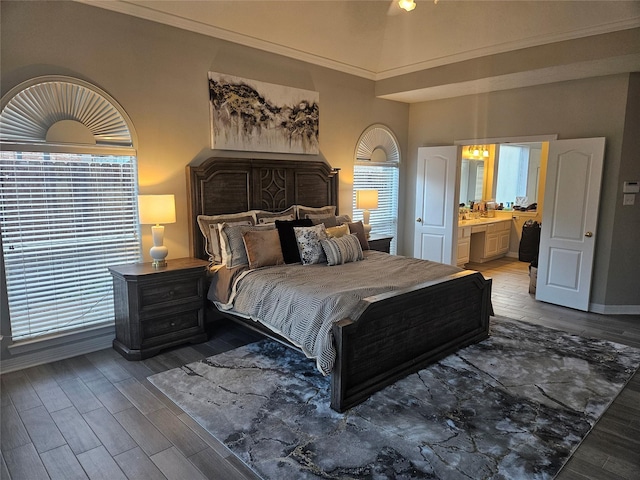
(366,215)
(158,252)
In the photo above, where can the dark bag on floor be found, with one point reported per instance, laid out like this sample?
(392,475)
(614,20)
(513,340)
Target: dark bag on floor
(529,242)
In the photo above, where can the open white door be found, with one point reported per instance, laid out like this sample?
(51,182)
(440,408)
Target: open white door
(568,235)
(436,204)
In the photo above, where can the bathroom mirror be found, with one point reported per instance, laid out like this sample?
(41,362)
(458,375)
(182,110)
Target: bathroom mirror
(471,180)
(518,173)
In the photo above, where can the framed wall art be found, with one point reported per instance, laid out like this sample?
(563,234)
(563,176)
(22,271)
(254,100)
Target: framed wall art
(256,116)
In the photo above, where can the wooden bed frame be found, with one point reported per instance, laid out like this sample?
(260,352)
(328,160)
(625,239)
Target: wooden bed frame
(397,333)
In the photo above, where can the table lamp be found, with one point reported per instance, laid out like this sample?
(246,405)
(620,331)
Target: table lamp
(154,210)
(366,200)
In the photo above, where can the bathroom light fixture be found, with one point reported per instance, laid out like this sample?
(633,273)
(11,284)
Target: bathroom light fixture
(407,5)
(157,209)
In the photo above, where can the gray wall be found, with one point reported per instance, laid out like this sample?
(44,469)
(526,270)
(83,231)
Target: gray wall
(595,107)
(159,76)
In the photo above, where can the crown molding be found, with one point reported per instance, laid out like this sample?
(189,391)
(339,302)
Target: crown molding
(227,35)
(122,6)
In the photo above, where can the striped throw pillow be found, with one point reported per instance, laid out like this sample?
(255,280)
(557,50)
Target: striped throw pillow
(343,249)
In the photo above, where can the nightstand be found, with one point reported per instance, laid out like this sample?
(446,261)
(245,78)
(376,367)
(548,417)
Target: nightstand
(156,308)
(382,243)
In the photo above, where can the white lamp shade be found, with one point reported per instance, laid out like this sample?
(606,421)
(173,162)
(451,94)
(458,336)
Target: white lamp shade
(157,209)
(367,199)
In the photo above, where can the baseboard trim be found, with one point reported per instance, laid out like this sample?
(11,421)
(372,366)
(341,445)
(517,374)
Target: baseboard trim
(51,353)
(614,309)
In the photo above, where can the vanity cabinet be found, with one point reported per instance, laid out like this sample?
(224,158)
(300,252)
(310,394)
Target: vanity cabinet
(464,245)
(489,240)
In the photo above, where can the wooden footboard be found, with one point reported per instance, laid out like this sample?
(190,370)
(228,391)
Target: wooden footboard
(398,333)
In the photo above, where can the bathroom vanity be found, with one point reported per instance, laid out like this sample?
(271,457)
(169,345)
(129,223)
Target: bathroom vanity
(483,239)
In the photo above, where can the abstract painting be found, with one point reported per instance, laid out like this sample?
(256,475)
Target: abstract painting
(256,116)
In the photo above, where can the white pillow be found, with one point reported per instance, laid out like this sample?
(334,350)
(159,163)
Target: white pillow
(308,239)
(263,216)
(302,211)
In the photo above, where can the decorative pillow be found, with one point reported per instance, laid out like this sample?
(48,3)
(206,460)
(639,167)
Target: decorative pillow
(232,246)
(329,221)
(340,219)
(288,242)
(308,239)
(358,229)
(339,231)
(329,210)
(212,239)
(263,248)
(342,250)
(263,216)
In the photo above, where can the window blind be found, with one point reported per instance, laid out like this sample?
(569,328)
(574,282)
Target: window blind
(384,178)
(65,218)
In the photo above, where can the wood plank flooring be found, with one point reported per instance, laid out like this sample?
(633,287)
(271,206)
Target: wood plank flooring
(97,416)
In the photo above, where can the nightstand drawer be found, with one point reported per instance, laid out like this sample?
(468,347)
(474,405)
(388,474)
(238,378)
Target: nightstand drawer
(179,322)
(153,295)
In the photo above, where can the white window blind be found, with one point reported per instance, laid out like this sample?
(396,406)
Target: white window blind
(384,178)
(65,218)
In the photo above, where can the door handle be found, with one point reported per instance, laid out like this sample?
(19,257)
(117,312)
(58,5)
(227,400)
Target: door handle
(418,220)
(588,234)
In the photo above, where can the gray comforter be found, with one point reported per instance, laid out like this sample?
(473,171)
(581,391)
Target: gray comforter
(301,302)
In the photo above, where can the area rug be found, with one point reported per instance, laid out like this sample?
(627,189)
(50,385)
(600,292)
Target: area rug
(514,406)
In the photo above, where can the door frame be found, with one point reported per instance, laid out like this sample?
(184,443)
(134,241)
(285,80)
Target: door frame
(500,140)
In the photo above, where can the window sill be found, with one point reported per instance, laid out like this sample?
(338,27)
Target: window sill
(29,353)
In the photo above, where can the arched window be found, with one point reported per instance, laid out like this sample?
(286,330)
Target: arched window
(68,208)
(376,167)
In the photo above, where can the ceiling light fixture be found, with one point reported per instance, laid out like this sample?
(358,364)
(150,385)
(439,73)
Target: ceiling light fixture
(407,5)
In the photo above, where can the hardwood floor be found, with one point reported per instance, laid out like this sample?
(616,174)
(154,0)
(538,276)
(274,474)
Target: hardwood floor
(97,416)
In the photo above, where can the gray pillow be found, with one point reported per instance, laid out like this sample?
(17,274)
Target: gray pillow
(234,252)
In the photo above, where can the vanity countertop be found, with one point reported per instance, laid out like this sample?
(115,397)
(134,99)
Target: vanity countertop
(483,221)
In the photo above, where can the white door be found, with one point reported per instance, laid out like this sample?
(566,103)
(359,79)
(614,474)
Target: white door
(570,216)
(437,187)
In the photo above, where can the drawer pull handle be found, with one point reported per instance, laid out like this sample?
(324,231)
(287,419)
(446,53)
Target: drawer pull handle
(173,324)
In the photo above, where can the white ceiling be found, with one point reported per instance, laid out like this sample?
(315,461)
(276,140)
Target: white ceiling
(375,40)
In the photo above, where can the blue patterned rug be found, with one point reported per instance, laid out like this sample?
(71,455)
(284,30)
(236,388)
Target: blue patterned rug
(514,406)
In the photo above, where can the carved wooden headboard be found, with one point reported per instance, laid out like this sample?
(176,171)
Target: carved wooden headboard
(231,185)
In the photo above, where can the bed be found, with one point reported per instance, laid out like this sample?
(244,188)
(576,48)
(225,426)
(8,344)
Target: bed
(397,332)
